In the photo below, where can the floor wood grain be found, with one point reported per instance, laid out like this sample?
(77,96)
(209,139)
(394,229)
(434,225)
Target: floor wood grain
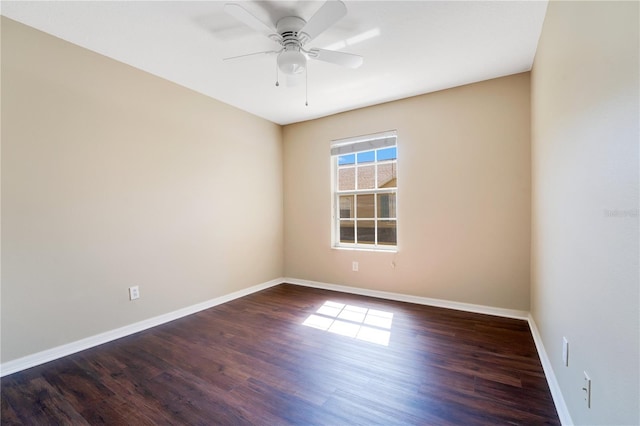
(253,361)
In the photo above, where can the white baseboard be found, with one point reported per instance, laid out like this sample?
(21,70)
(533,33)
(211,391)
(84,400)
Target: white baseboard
(554,386)
(38,358)
(468,307)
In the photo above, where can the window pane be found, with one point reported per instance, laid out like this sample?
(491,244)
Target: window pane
(387,232)
(387,154)
(366,177)
(347,228)
(365,206)
(387,175)
(346,179)
(346,159)
(346,206)
(366,157)
(366,232)
(387,205)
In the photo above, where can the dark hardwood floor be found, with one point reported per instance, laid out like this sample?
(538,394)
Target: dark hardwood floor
(252,361)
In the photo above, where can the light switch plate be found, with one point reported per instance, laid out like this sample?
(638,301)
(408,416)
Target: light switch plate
(134,293)
(587,389)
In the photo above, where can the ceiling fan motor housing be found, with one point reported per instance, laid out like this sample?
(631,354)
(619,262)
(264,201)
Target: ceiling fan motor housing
(291,60)
(289,26)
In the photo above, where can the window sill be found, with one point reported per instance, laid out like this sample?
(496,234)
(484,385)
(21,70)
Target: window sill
(373,249)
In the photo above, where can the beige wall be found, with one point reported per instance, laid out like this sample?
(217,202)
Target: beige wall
(585,282)
(112,177)
(463,197)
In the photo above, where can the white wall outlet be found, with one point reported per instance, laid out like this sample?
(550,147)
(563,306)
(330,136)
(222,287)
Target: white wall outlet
(134,293)
(354,266)
(586,388)
(565,351)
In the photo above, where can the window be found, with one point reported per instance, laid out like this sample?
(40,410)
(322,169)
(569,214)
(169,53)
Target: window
(365,192)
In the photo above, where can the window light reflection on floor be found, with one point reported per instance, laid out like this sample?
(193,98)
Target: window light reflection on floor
(369,325)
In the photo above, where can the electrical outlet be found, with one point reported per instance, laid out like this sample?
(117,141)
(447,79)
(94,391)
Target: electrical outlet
(586,388)
(134,293)
(565,351)
(354,266)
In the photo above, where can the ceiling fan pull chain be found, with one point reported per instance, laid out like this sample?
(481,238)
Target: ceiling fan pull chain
(277,82)
(306,86)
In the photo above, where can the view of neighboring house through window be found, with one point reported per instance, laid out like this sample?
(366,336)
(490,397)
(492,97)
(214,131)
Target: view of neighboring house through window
(365,186)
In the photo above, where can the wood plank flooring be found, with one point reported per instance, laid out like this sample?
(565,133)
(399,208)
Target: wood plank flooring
(252,361)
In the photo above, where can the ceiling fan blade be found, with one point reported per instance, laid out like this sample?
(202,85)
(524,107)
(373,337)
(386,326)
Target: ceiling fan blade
(247,18)
(266,52)
(330,13)
(348,60)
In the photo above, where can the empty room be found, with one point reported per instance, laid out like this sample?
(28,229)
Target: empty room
(320,212)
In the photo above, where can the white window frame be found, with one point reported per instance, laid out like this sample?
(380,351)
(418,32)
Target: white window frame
(353,146)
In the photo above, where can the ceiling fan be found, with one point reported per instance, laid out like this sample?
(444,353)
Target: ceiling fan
(292,33)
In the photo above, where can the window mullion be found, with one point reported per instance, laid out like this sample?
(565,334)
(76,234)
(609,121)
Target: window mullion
(375,200)
(375,219)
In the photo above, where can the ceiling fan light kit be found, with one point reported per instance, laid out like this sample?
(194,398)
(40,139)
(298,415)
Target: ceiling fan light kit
(292,62)
(293,32)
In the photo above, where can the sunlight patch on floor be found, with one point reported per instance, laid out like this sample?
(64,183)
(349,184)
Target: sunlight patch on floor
(369,325)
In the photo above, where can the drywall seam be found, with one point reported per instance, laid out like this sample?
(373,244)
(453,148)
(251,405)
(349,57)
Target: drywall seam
(42,357)
(554,386)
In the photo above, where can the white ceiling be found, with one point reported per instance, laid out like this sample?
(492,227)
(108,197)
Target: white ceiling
(422,46)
